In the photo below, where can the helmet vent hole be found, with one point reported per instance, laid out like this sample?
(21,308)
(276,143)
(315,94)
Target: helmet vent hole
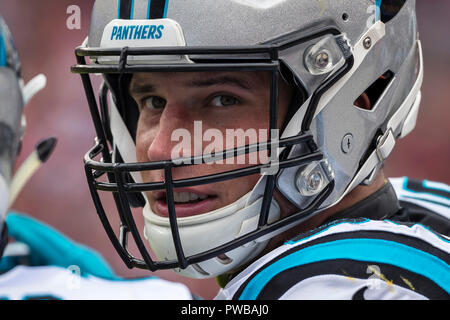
(389,9)
(370,97)
(224,259)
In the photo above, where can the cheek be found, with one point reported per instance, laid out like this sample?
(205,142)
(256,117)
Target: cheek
(144,138)
(234,189)
(141,154)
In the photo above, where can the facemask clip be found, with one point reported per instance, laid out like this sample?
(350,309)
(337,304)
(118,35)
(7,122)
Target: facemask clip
(324,56)
(313,178)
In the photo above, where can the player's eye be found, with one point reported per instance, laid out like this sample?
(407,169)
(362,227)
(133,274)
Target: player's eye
(154,102)
(224,101)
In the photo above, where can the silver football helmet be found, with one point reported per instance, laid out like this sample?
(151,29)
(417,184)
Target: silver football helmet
(11,110)
(330,52)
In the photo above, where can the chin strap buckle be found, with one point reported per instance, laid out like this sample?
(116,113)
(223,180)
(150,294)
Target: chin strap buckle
(385,145)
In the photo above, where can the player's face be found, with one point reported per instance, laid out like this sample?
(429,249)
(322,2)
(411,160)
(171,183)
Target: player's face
(203,111)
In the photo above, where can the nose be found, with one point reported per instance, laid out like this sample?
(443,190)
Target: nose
(173,135)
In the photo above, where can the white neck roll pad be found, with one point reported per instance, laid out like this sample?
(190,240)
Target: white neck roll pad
(207,231)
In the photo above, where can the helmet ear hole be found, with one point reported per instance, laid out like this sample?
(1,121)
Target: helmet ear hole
(363,102)
(390,8)
(369,98)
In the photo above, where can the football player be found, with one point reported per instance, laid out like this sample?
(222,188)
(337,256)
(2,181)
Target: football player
(193,90)
(38,262)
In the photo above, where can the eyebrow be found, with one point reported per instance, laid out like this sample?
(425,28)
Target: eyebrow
(210,81)
(142,88)
(219,80)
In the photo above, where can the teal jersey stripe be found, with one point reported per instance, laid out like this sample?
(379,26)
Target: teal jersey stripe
(371,250)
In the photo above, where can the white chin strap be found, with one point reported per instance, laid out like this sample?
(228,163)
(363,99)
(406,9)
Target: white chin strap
(206,231)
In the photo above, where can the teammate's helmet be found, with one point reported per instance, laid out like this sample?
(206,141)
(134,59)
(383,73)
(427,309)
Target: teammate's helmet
(14,95)
(11,111)
(330,52)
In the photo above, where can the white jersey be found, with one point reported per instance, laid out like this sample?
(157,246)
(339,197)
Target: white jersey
(356,259)
(51,282)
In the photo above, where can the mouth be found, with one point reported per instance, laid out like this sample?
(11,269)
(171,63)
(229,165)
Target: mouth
(187,203)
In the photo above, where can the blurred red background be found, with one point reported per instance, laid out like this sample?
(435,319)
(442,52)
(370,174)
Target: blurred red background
(58,194)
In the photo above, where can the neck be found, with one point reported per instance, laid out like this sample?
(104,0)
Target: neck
(355,196)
